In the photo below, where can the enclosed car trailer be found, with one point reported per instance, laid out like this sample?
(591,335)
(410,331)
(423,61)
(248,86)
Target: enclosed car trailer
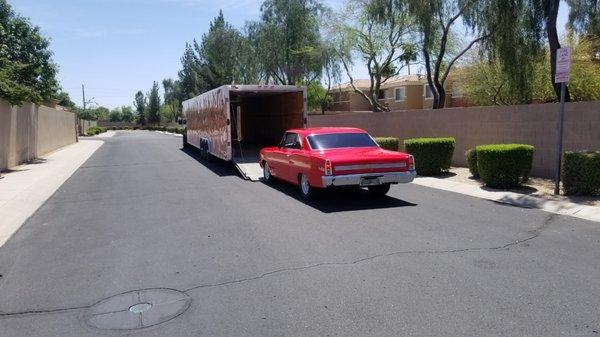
(233,122)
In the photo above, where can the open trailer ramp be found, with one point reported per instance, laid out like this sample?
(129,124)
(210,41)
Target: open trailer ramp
(246,160)
(250,171)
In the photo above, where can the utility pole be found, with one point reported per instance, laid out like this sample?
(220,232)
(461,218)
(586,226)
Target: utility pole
(83,91)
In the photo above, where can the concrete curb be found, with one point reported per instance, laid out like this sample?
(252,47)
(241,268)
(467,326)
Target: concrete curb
(107,134)
(25,189)
(170,133)
(586,212)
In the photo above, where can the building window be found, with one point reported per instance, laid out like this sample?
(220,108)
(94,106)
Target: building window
(400,94)
(427,92)
(456,92)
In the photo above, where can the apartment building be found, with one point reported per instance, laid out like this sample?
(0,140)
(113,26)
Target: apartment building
(403,92)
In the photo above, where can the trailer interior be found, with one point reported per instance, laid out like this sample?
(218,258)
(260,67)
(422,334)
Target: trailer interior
(259,119)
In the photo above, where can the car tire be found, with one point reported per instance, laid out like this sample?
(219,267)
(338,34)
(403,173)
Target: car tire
(307,192)
(267,177)
(379,191)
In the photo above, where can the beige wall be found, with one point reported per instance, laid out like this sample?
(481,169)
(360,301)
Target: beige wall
(84,125)
(29,131)
(55,129)
(533,124)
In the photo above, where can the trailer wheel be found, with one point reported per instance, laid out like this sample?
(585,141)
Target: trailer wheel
(202,149)
(185,143)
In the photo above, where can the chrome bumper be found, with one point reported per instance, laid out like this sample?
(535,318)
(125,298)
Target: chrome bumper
(384,178)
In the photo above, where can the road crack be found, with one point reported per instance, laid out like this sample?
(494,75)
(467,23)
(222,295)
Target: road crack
(534,233)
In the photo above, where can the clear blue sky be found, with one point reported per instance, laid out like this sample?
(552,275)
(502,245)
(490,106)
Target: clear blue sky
(117,47)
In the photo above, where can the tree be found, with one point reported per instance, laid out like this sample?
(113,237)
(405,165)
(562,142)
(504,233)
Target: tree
(10,88)
(289,41)
(378,35)
(584,18)
(190,77)
(318,97)
(154,105)
(436,21)
(93,113)
(172,99)
(64,100)
(115,115)
(27,71)
(140,107)
(218,54)
(485,83)
(127,114)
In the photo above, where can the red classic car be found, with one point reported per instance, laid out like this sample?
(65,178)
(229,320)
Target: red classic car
(317,158)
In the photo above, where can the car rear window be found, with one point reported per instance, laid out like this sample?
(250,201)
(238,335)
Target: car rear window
(339,140)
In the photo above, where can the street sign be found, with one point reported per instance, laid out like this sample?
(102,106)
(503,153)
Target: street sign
(563,74)
(563,65)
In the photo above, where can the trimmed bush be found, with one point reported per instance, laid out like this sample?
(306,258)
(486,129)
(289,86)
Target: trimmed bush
(432,155)
(94,130)
(471,155)
(388,143)
(504,165)
(581,173)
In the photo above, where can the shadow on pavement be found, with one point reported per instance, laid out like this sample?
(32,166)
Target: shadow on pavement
(216,165)
(341,200)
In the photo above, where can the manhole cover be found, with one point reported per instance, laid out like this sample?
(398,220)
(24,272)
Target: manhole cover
(137,309)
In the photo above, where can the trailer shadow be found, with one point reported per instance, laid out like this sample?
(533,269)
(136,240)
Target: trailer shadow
(341,200)
(216,165)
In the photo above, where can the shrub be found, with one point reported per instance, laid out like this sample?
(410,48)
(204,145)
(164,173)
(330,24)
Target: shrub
(504,165)
(581,173)
(471,155)
(388,143)
(432,155)
(94,130)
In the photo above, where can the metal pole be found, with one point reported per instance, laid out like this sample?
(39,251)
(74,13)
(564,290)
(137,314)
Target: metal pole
(559,143)
(83,92)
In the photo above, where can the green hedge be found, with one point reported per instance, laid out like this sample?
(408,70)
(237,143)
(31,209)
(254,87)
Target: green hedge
(432,155)
(388,143)
(581,173)
(94,130)
(504,165)
(471,155)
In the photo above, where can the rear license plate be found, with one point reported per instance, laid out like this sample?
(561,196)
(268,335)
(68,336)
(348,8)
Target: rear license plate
(369,181)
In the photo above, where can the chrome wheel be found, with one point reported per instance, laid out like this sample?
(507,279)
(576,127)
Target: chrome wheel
(266,172)
(304,185)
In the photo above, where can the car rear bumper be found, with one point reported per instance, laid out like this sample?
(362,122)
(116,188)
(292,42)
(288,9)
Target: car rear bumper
(354,179)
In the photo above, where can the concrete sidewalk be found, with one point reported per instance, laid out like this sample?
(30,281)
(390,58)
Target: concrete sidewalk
(517,199)
(25,188)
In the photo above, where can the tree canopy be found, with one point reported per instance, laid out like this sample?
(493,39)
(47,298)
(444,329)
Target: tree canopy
(27,72)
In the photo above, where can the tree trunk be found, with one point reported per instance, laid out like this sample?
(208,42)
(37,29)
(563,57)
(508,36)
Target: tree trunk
(429,79)
(441,103)
(551,13)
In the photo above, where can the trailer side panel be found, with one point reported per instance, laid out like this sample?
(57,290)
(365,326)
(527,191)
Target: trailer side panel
(208,119)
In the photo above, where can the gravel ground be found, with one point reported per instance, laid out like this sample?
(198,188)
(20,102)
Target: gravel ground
(535,186)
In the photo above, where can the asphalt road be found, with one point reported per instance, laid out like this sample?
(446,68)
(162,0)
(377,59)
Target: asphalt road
(253,260)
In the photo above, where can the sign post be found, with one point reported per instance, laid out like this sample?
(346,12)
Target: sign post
(563,74)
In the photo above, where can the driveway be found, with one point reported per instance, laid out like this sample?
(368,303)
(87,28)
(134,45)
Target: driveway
(220,256)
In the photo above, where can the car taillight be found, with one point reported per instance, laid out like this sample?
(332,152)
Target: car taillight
(328,167)
(411,163)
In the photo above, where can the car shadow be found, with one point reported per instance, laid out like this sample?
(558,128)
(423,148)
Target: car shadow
(217,166)
(341,200)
